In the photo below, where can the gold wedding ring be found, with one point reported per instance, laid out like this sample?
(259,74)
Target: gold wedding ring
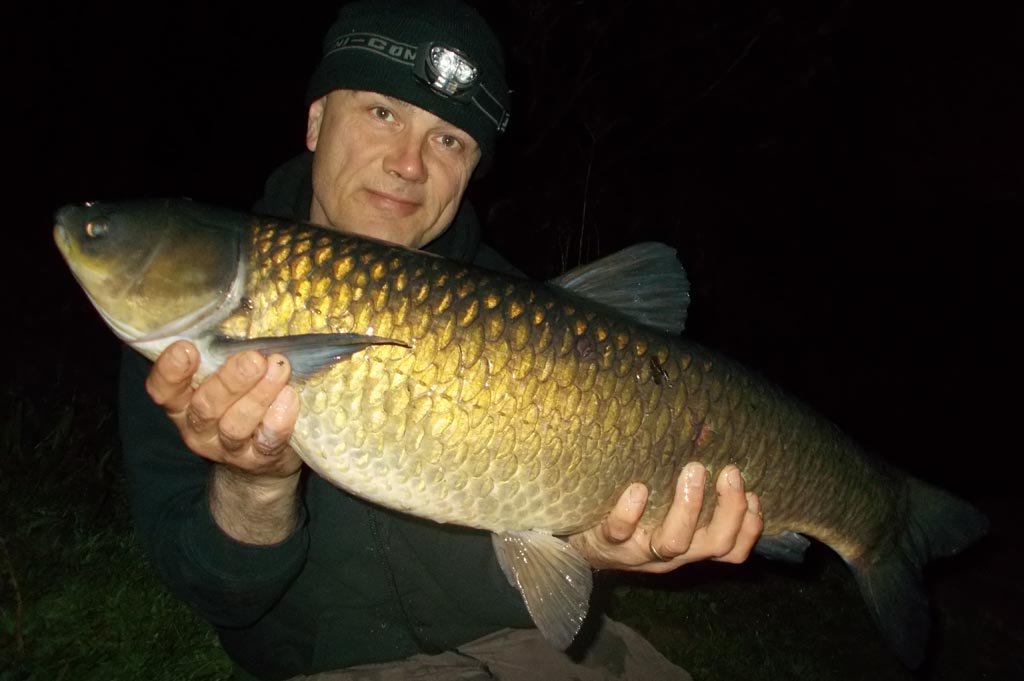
(657,556)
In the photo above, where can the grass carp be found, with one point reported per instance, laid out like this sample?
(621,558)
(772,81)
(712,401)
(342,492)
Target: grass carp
(518,407)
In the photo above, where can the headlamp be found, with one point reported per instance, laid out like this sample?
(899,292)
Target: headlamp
(446,70)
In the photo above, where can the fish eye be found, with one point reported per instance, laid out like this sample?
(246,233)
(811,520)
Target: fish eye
(96,228)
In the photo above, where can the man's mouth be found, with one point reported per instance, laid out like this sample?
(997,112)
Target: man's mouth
(392,203)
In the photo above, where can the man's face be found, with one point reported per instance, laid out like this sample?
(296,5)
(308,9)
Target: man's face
(385,168)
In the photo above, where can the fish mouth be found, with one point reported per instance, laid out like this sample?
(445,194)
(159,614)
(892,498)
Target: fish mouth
(65,244)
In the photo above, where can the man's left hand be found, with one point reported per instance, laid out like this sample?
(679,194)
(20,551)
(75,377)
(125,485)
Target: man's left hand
(621,543)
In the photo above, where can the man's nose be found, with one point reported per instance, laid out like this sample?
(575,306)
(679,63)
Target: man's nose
(405,157)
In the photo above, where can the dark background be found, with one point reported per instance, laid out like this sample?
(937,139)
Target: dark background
(843,182)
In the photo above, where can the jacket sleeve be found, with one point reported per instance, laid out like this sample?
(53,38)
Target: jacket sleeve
(230,583)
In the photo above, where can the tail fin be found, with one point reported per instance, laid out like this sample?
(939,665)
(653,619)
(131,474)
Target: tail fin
(936,524)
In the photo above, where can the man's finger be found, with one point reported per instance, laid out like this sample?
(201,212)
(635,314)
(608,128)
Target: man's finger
(622,521)
(219,392)
(169,382)
(272,435)
(749,533)
(729,513)
(676,532)
(250,409)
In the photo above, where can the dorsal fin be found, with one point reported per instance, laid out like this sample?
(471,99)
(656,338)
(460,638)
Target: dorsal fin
(645,282)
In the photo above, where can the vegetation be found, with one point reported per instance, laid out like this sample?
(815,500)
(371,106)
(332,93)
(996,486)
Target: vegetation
(77,597)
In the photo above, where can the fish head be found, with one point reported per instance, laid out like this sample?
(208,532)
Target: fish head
(153,269)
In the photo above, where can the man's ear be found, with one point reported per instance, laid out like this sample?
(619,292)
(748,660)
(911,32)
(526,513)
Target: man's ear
(316,117)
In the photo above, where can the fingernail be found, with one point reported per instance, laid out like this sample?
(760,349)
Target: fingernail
(694,475)
(753,503)
(637,494)
(179,357)
(733,476)
(275,367)
(248,366)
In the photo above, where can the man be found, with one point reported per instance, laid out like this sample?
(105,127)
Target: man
(297,576)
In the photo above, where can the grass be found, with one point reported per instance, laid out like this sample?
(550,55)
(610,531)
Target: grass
(93,610)
(760,622)
(79,601)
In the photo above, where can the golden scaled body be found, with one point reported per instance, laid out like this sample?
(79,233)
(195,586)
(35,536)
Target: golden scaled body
(518,406)
(522,408)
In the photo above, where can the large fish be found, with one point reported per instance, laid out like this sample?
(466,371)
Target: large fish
(522,408)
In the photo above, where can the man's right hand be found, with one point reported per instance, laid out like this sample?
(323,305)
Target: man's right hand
(240,417)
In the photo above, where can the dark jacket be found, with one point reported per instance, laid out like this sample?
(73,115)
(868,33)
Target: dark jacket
(355,583)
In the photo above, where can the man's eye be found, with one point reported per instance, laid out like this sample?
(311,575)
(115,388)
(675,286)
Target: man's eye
(450,141)
(383,114)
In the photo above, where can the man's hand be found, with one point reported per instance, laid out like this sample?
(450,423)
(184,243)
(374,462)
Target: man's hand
(241,418)
(620,543)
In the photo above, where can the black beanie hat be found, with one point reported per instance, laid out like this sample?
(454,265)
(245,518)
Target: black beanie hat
(401,48)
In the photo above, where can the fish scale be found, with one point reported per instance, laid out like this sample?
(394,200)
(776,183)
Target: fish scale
(446,353)
(521,408)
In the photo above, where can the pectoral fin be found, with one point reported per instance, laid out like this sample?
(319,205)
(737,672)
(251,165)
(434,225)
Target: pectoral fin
(308,353)
(553,578)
